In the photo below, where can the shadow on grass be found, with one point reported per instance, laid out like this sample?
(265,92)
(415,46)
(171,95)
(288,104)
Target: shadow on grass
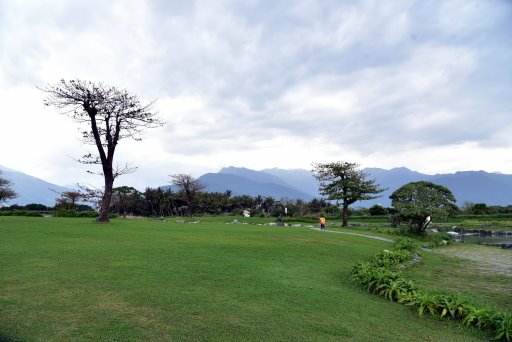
(5,338)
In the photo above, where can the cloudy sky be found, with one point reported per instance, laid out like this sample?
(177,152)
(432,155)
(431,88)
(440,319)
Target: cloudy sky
(260,84)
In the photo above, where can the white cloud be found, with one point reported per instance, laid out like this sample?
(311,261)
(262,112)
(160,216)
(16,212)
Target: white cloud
(265,84)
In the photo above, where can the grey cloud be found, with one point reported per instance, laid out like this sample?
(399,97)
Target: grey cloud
(414,73)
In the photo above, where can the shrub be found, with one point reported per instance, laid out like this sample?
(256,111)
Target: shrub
(479,317)
(453,306)
(503,326)
(396,289)
(426,303)
(73,213)
(391,259)
(500,323)
(404,243)
(378,210)
(379,277)
(20,213)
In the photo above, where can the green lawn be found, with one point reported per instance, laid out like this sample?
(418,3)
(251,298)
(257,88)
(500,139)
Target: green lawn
(149,280)
(482,274)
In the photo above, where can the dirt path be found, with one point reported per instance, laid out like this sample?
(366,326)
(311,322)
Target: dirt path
(486,259)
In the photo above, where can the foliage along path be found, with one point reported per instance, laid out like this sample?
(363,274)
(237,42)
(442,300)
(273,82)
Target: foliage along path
(487,259)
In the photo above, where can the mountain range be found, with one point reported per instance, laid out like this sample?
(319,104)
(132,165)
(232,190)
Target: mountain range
(467,186)
(31,189)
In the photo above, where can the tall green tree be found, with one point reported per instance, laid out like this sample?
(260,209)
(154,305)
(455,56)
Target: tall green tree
(268,205)
(418,203)
(344,182)
(108,115)
(125,199)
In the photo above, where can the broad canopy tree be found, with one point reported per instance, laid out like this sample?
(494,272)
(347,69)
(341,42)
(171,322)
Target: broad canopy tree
(125,198)
(68,200)
(419,202)
(108,115)
(343,181)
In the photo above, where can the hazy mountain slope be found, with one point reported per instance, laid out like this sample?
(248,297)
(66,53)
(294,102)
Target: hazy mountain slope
(300,179)
(467,186)
(220,182)
(31,189)
(255,176)
(478,187)
(390,180)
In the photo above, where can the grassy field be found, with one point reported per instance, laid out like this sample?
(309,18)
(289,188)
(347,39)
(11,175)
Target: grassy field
(149,280)
(481,274)
(485,222)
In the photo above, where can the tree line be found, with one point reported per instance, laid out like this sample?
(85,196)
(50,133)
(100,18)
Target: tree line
(108,114)
(161,202)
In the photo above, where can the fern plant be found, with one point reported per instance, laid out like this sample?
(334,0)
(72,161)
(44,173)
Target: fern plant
(427,303)
(503,326)
(396,289)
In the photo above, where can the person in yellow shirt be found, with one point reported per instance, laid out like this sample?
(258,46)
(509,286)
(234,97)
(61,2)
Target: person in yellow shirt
(322,222)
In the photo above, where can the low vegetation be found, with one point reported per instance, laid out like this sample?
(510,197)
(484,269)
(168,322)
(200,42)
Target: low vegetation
(383,275)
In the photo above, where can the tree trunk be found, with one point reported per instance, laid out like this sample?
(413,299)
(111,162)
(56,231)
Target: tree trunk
(345,216)
(105,201)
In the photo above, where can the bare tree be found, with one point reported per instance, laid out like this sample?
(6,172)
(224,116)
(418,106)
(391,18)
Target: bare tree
(108,115)
(189,187)
(91,195)
(6,191)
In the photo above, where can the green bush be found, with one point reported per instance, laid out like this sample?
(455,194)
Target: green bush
(503,326)
(430,239)
(404,243)
(391,259)
(500,323)
(381,274)
(397,289)
(452,306)
(19,213)
(73,213)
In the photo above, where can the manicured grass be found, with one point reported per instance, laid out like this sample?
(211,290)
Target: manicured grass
(148,280)
(482,274)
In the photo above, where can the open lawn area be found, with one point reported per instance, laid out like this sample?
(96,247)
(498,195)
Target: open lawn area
(150,280)
(483,274)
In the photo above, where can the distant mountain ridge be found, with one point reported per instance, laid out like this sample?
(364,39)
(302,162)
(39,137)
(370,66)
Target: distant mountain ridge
(467,186)
(31,189)
(220,182)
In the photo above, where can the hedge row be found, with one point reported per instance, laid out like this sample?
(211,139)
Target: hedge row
(59,213)
(19,213)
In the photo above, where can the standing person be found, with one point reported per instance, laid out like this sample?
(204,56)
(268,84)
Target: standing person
(322,222)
